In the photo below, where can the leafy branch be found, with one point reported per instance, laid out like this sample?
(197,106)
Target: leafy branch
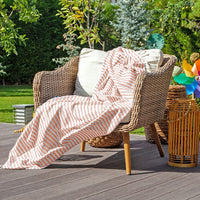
(69,47)
(9,33)
(82,16)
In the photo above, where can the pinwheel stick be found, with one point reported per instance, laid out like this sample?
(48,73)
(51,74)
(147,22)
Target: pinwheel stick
(193,95)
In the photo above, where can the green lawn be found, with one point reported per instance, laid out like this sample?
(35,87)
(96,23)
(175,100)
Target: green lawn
(139,131)
(11,95)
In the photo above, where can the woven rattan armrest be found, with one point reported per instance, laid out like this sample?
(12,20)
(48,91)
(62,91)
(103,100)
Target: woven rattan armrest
(150,95)
(60,82)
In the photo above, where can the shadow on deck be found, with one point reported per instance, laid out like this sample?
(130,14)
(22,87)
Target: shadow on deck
(99,173)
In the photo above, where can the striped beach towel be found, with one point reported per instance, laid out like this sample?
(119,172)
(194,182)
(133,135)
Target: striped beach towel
(63,122)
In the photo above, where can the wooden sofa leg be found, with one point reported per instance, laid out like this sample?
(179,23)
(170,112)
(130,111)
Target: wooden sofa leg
(83,146)
(157,140)
(127,152)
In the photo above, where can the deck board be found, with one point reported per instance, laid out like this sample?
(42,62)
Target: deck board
(98,173)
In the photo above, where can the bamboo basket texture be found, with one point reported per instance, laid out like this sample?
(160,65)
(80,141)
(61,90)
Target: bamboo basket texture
(183,143)
(175,91)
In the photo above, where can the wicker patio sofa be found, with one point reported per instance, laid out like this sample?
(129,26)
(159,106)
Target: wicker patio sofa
(150,96)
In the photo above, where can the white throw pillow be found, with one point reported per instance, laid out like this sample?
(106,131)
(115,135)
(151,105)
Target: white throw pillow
(89,69)
(153,59)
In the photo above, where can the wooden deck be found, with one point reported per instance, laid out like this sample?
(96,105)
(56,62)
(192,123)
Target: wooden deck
(99,174)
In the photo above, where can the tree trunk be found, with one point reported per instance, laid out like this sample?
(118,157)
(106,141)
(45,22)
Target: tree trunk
(3,82)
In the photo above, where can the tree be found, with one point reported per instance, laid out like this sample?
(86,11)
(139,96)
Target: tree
(9,33)
(133,19)
(69,47)
(107,31)
(191,19)
(3,72)
(43,37)
(81,16)
(178,22)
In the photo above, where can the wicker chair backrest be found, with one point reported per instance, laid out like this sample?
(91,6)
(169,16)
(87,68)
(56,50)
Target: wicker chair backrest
(150,94)
(59,82)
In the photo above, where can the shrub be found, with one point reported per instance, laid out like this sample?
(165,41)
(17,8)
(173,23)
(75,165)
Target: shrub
(43,37)
(178,25)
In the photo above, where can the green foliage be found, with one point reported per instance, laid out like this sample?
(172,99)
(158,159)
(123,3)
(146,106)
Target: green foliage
(177,21)
(81,16)
(132,21)
(107,31)
(178,24)
(3,72)
(44,35)
(191,20)
(158,4)
(2,69)
(69,47)
(9,33)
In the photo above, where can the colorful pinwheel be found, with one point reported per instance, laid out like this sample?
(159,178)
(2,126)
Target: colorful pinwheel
(189,80)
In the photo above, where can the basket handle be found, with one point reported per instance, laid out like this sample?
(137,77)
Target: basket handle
(186,113)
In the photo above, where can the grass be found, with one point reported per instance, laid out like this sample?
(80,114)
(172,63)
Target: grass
(11,95)
(139,131)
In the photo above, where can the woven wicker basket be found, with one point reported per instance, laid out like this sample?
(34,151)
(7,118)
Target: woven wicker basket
(112,140)
(183,148)
(175,91)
